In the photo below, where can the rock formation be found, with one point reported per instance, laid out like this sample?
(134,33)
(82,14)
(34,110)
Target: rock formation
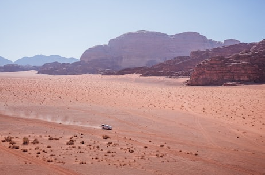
(39,60)
(77,68)
(247,66)
(144,48)
(184,65)
(16,68)
(4,61)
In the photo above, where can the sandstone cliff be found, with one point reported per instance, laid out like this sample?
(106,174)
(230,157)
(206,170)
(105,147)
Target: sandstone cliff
(184,65)
(247,66)
(144,48)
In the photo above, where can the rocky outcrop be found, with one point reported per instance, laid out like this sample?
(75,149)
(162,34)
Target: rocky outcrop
(16,68)
(77,68)
(144,48)
(247,66)
(4,61)
(39,60)
(184,65)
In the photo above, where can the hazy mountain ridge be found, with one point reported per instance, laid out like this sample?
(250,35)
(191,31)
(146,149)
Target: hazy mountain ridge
(39,60)
(4,61)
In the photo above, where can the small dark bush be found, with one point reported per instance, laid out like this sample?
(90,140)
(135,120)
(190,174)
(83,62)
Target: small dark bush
(25,150)
(25,141)
(70,142)
(14,147)
(131,151)
(105,137)
(35,141)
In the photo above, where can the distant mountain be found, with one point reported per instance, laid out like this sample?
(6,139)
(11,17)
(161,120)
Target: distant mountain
(145,48)
(39,60)
(4,61)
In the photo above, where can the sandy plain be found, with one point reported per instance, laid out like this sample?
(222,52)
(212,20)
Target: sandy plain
(159,126)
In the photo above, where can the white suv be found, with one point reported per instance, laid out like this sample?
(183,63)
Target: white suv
(106,127)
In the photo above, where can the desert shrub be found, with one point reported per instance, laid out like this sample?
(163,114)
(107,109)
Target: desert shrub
(12,142)
(131,151)
(70,142)
(35,141)
(48,146)
(25,141)
(25,150)
(53,138)
(105,136)
(14,147)
(7,139)
(82,142)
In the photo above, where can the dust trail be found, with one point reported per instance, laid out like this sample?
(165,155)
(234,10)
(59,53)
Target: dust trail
(64,120)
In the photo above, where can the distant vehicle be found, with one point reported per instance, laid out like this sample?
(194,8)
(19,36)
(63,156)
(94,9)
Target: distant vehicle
(106,127)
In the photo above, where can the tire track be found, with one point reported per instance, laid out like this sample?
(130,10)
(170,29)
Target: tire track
(200,126)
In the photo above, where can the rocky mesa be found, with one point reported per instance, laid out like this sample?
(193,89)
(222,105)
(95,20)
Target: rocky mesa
(246,66)
(145,48)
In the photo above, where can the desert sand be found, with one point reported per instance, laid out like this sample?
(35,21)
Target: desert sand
(160,126)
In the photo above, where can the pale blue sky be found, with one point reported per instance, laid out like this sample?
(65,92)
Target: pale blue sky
(69,27)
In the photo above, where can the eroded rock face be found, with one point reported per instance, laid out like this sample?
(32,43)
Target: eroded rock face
(144,48)
(247,66)
(184,65)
